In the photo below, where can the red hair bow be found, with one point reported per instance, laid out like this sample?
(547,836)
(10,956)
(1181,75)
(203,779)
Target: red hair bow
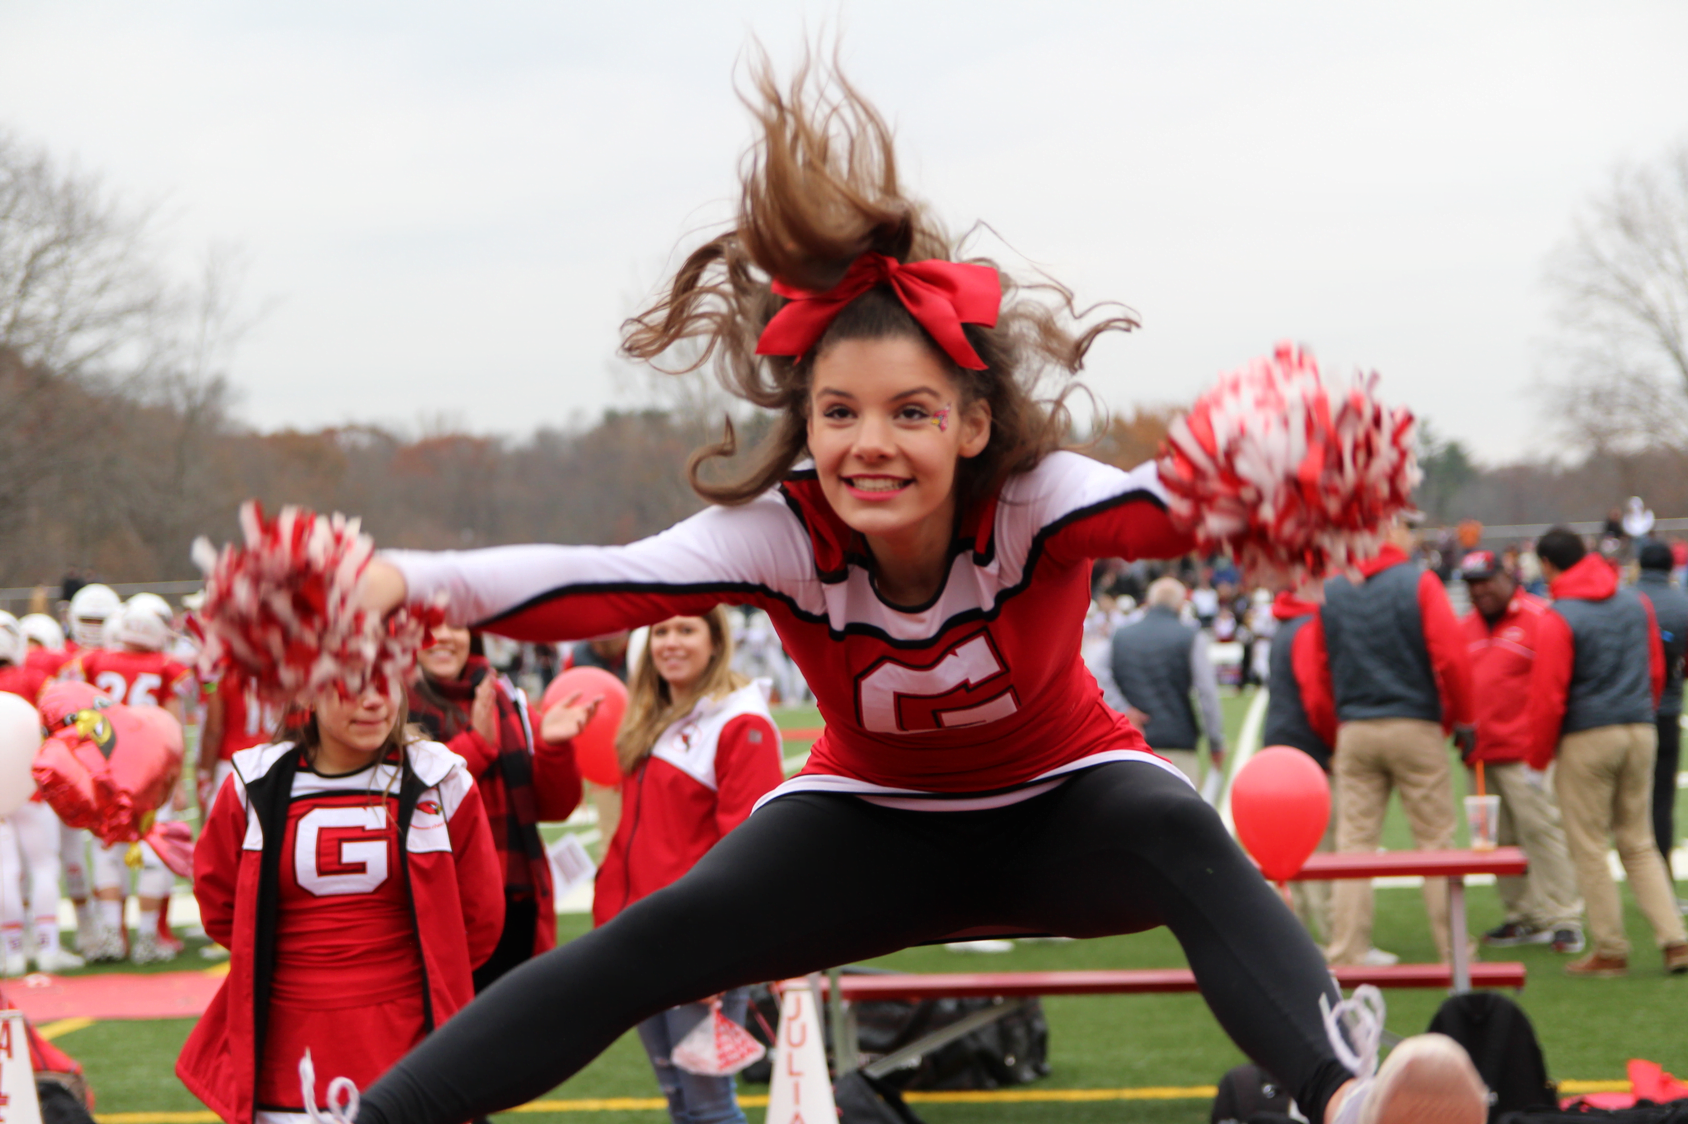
(941,295)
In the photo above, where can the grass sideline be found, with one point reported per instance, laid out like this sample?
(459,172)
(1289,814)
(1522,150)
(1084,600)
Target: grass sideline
(1107,1052)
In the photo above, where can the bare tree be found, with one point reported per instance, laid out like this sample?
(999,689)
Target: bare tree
(78,282)
(1621,283)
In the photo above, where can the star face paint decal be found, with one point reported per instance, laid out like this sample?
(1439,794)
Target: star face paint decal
(940,418)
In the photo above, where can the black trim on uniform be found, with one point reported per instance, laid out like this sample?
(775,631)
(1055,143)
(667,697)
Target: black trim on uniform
(745,590)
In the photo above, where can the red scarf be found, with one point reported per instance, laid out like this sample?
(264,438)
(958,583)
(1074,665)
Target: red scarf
(517,838)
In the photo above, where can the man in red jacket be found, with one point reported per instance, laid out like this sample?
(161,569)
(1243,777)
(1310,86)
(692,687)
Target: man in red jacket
(1542,907)
(1600,670)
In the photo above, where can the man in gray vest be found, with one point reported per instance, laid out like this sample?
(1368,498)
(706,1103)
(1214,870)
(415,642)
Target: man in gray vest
(1157,662)
(1401,677)
(1670,610)
(1594,690)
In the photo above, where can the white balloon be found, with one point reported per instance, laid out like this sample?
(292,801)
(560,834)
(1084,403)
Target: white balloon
(20,738)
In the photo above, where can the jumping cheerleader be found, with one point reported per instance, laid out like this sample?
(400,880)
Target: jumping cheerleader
(924,548)
(344,940)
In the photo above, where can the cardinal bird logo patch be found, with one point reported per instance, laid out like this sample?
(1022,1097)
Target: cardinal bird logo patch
(428,807)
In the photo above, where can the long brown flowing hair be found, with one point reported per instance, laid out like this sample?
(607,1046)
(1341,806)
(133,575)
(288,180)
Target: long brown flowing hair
(652,707)
(818,189)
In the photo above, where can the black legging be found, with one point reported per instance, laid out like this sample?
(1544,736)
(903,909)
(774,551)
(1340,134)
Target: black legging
(813,880)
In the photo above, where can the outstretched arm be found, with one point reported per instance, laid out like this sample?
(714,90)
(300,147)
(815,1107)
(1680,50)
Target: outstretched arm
(755,553)
(1087,509)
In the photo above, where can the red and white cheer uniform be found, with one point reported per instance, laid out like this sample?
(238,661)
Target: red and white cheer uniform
(975,699)
(339,942)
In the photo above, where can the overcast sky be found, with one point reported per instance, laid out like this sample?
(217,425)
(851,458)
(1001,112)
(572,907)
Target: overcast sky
(448,208)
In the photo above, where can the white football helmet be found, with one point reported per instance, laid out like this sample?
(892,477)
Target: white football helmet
(92,606)
(158,605)
(138,625)
(39,628)
(13,647)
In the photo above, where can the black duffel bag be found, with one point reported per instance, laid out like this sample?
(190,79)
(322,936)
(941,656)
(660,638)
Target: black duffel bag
(1012,1050)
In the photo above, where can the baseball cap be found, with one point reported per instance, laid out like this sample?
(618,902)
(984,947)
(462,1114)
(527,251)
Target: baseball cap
(1479,565)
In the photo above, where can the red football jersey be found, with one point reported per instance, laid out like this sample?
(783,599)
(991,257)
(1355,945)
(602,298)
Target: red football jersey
(247,719)
(131,678)
(25,682)
(50,661)
(972,698)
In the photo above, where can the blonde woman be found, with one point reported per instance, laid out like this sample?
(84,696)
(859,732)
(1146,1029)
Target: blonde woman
(698,749)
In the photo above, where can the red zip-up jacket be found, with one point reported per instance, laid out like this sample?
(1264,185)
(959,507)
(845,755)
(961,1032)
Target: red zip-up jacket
(1551,683)
(1308,661)
(703,777)
(556,792)
(1503,657)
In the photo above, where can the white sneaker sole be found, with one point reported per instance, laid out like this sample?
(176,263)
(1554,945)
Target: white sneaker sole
(1427,1079)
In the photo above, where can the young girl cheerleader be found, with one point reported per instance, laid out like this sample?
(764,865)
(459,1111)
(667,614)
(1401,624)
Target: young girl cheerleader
(924,548)
(699,749)
(458,699)
(350,874)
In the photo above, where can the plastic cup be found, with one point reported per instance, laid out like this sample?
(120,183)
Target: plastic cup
(1482,817)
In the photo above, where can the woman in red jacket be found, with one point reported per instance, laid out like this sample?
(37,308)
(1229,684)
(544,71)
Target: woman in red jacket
(458,699)
(698,749)
(342,941)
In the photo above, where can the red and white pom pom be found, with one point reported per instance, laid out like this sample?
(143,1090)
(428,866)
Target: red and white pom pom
(284,608)
(717,1046)
(1295,482)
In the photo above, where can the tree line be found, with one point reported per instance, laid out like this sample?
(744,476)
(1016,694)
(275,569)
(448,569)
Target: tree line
(119,444)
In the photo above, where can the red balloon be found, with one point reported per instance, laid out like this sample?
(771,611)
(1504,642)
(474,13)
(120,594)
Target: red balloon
(1281,803)
(594,747)
(107,767)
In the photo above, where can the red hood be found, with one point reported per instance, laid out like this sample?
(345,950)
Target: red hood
(1592,579)
(1390,555)
(1287,606)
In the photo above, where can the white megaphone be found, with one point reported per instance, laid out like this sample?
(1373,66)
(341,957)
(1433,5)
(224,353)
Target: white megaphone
(801,1090)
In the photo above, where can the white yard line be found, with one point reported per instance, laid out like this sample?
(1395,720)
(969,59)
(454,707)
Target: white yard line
(1248,743)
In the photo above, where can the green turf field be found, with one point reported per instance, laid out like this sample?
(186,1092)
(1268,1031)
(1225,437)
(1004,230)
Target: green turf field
(1588,1028)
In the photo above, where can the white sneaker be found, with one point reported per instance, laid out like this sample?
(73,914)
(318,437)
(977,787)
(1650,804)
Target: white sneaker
(14,964)
(980,946)
(1427,1078)
(104,947)
(56,959)
(149,949)
(1377,958)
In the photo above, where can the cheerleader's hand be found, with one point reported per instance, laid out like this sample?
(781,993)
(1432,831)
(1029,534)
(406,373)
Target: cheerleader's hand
(302,604)
(1293,480)
(382,588)
(564,721)
(483,712)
